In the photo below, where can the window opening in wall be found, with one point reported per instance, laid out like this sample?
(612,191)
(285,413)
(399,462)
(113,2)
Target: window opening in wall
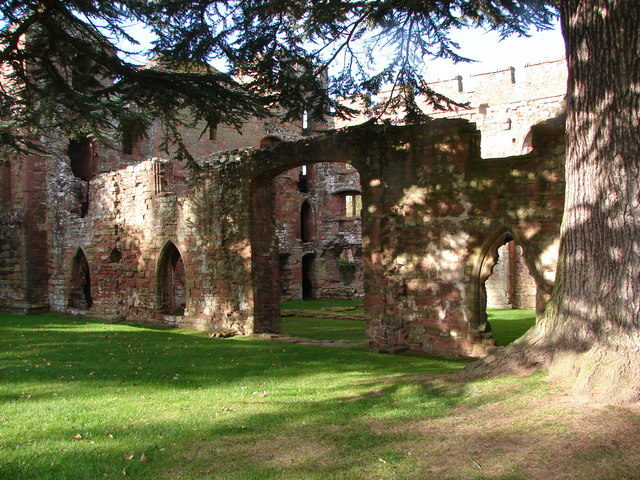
(303,180)
(306,222)
(80,292)
(81,154)
(158,178)
(171,281)
(308,267)
(213,131)
(347,266)
(527,144)
(508,290)
(305,120)
(115,256)
(353,206)
(131,135)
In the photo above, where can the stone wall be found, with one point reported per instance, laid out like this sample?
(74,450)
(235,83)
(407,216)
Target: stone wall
(504,104)
(334,234)
(434,215)
(23,236)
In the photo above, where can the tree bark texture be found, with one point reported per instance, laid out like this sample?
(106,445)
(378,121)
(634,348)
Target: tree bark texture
(589,334)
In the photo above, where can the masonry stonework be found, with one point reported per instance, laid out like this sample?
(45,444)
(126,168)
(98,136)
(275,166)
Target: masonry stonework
(143,238)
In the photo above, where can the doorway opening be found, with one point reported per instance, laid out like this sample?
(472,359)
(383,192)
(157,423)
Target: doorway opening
(306,226)
(308,270)
(80,292)
(171,281)
(508,290)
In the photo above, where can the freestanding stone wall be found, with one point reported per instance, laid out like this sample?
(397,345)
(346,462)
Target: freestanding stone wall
(434,214)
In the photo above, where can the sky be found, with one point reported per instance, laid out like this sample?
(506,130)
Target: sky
(492,54)
(485,47)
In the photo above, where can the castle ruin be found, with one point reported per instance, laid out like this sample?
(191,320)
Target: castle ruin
(410,218)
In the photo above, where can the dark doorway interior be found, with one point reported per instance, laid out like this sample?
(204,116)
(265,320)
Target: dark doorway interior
(80,295)
(171,281)
(308,264)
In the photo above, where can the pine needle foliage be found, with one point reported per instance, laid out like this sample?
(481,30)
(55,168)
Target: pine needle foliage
(64,67)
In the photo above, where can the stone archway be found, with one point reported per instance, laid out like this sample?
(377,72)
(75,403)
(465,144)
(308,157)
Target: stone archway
(428,200)
(80,288)
(171,281)
(487,261)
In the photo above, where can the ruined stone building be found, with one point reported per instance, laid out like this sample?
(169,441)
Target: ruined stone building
(411,218)
(504,104)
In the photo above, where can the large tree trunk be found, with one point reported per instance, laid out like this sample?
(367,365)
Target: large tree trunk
(590,331)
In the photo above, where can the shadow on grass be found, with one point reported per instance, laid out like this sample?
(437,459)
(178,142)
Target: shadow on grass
(238,408)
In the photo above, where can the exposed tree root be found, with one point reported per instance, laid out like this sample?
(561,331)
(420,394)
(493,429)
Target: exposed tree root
(600,370)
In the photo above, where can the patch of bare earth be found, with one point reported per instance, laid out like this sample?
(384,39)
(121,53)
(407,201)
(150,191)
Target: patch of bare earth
(503,429)
(541,437)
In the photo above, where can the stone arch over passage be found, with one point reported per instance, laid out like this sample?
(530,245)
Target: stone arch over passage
(428,199)
(171,281)
(80,288)
(487,261)
(266,268)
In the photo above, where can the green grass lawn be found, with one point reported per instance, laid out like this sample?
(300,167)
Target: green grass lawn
(324,329)
(318,304)
(80,399)
(508,325)
(191,404)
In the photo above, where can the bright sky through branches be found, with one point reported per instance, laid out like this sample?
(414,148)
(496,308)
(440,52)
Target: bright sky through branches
(492,54)
(485,47)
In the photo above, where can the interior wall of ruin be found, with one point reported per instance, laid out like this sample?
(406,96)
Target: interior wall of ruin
(431,205)
(335,233)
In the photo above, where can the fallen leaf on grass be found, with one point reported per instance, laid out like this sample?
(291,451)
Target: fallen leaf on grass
(77,436)
(143,458)
(128,457)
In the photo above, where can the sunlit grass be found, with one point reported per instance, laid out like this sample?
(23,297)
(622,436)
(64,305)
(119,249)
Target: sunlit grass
(80,399)
(506,325)
(128,390)
(509,325)
(324,329)
(319,304)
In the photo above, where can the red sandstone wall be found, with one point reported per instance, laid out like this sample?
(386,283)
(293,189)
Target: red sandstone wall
(504,104)
(432,211)
(333,232)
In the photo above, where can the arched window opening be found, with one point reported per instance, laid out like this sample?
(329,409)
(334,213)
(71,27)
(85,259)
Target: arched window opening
(306,222)
(80,293)
(308,268)
(527,144)
(305,120)
(81,153)
(171,281)
(303,180)
(508,291)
